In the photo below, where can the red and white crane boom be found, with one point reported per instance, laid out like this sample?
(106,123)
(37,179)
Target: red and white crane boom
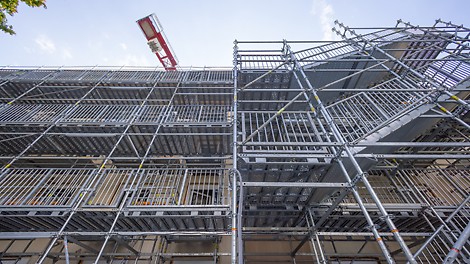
(158,42)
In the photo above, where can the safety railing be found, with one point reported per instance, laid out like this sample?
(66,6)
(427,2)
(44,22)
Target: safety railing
(58,188)
(115,114)
(446,236)
(260,61)
(100,114)
(339,49)
(387,188)
(34,75)
(389,34)
(433,186)
(110,188)
(116,75)
(42,187)
(199,114)
(290,132)
(181,187)
(251,60)
(213,76)
(31,113)
(365,112)
(139,76)
(449,71)
(152,114)
(324,52)
(439,187)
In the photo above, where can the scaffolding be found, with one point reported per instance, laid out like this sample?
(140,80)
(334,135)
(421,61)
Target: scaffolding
(354,150)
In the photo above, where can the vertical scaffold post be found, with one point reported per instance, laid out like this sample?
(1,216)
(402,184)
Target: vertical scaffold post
(66,248)
(234,157)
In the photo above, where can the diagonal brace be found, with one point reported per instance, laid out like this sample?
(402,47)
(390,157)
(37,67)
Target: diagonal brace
(120,241)
(81,244)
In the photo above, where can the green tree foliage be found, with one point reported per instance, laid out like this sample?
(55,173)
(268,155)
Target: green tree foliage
(10,7)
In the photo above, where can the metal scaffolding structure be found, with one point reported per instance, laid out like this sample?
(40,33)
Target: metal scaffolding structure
(323,151)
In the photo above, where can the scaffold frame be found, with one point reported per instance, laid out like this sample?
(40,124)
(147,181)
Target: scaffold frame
(329,151)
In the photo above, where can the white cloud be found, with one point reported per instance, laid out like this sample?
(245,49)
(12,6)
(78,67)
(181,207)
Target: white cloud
(123,46)
(325,12)
(45,44)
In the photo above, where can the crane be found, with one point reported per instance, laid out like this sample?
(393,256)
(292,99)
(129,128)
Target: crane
(158,42)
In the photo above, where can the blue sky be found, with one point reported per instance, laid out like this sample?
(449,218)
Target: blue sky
(104,32)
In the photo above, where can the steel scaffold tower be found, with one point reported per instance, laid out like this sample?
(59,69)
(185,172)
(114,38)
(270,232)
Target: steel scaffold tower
(323,151)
